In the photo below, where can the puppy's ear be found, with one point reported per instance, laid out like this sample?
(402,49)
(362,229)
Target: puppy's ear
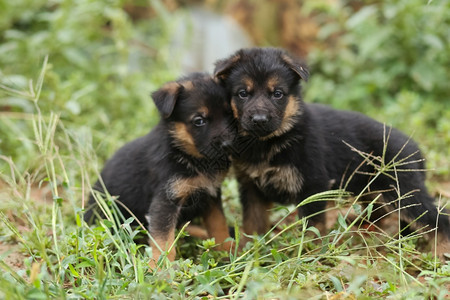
(296,66)
(166,97)
(224,66)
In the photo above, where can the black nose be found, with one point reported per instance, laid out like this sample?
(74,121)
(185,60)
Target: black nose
(259,119)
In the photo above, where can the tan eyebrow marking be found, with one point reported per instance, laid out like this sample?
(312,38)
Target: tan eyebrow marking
(249,83)
(272,83)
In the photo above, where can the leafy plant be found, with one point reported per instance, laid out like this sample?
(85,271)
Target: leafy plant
(389,59)
(100,74)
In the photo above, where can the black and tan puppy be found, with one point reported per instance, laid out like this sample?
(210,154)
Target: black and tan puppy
(174,173)
(288,150)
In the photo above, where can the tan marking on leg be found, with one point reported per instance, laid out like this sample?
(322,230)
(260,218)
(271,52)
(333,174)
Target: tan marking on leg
(256,219)
(164,244)
(440,246)
(197,231)
(216,226)
(184,140)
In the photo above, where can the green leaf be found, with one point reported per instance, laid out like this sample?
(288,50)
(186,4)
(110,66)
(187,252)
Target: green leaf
(369,210)
(276,256)
(361,16)
(336,282)
(314,230)
(73,271)
(342,222)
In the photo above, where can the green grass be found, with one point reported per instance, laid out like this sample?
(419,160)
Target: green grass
(69,99)
(62,257)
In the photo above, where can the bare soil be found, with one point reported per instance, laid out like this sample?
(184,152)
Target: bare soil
(14,258)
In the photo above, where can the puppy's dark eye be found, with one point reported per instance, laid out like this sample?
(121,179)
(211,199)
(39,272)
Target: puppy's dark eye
(277,94)
(199,121)
(243,94)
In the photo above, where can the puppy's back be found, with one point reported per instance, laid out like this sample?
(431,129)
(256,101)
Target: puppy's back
(361,132)
(134,172)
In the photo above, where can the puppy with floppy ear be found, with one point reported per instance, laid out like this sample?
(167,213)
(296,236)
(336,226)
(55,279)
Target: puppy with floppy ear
(174,173)
(166,97)
(288,150)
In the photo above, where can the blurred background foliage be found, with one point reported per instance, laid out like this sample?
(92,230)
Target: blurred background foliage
(389,59)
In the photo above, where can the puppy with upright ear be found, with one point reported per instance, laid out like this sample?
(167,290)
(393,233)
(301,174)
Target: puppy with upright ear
(288,150)
(174,173)
(224,67)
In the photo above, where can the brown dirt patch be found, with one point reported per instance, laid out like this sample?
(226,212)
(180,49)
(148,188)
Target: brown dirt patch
(14,258)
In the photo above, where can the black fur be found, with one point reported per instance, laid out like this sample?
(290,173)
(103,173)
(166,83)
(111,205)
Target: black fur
(151,175)
(285,160)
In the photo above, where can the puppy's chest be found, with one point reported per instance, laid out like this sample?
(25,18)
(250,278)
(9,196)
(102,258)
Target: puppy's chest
(281,178)
(182,189)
